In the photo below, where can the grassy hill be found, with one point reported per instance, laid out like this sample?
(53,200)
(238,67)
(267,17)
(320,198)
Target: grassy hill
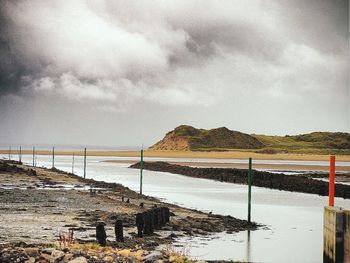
(316,142)
(188,138)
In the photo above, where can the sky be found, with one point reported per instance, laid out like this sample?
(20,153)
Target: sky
(123,73)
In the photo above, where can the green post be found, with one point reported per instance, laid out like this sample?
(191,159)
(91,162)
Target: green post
(20,154)
(33,156)
(141,168)
(84,163)
(53,157)
(249,190)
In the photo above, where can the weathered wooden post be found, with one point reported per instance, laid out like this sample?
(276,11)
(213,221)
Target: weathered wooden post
(53,157)
(141,169)
(33,156)
(162,216)
(140,224)
(119,235)
(84,163)
(148,225)
(20,154)
(73,164)
(156,217)
(249,190)
(101,235)
(167,215)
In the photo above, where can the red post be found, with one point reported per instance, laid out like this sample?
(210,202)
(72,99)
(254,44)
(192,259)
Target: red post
(331,180)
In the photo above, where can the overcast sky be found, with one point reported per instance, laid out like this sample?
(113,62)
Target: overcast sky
(123,73)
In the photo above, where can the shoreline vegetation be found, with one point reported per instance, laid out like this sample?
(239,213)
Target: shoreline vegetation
(39,204)
(185,137)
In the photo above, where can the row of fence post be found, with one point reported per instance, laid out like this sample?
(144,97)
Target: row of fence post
(34,157)
(250,173)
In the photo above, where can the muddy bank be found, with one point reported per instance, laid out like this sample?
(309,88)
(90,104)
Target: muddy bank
(300,183)
(37,205)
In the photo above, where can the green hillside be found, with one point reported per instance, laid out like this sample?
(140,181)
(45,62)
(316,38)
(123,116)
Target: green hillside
(188,138)
(316,142)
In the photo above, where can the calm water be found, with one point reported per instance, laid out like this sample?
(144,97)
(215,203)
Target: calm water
(293,221)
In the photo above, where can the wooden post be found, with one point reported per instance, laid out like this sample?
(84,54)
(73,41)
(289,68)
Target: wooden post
(141,168)
(33,156)
(249,190)
(156,221)
(140,224)
(101,235)
(84,163)
(20,154)
(10,153)
(331,180)
(119,235)
(53,157)
(73,164)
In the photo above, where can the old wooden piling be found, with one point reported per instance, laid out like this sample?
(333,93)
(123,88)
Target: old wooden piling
(118,229)
(101,235)
(140,224)
(147,229)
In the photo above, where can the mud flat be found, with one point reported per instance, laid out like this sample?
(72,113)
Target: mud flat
(38,204)
(295,183)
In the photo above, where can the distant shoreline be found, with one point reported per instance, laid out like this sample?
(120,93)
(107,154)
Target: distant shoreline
(190,154)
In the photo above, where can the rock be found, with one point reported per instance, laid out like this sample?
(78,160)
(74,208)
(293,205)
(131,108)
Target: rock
(153,256)
(124,252)
(48,250)
(31,251)
(46,257)
(78,260)
(57,255)
(67,257)
(138,255)
(30,260)
(108,259)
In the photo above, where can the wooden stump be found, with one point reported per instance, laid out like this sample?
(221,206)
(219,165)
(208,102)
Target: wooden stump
(119,235)
(140,223)
(101,234)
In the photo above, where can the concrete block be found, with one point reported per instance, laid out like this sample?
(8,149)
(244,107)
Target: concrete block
(346,236)
(333,235)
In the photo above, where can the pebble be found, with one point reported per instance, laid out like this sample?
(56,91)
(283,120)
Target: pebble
(30,260)
(78,260)
(153,256)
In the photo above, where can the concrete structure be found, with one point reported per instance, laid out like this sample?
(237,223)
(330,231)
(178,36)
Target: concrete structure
(347,236)
(336,235)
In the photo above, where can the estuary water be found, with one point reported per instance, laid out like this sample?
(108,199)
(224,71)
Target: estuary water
(293,222)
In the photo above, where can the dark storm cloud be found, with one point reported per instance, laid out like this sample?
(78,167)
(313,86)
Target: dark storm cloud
(112,55)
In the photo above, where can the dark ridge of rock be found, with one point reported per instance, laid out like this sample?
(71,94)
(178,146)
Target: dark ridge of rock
(293,183)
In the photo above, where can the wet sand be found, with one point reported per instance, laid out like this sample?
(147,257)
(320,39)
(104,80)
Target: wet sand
(189,154)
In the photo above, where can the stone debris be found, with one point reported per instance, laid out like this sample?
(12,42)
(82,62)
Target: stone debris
(86,253)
